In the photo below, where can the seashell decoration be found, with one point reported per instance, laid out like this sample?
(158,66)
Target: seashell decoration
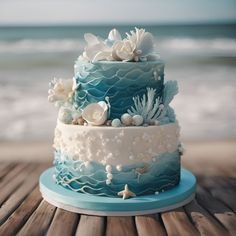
(95,113)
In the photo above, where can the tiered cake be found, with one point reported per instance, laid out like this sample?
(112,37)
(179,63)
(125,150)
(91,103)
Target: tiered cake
(116,134)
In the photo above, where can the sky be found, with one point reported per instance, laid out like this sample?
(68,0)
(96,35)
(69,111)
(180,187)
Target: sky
(31,12)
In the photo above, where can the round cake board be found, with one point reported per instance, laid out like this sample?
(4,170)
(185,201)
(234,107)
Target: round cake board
(111,206)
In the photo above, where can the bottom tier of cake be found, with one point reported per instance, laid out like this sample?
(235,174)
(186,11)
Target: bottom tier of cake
(113,162)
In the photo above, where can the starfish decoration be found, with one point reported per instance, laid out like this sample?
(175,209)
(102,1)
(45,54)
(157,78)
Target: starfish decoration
(126,193)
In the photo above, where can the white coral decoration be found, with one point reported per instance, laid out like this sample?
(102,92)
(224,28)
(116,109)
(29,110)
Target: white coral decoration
(148,107)
(61,90)
(96,113)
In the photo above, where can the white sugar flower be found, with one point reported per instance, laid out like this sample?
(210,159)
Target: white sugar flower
(98,49)
(143,41)
(61,90)
(96,113)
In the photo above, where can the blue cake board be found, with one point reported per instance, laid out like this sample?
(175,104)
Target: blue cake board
(111,206)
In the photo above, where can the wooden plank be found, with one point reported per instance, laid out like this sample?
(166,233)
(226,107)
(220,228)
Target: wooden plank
(39,221)
(8,187)
(19,195)
(177,223)
(117,226)
(203,221)
(63,223)
(221,190)
(91,225)
(13,224)
(5,168)
(221,212)
(149,225)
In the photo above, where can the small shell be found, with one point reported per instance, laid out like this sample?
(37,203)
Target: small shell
(137,120)
(116,123)
(126,119)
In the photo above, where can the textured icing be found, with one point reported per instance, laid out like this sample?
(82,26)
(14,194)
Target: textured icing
(115,146)
(120,81)
(161,174)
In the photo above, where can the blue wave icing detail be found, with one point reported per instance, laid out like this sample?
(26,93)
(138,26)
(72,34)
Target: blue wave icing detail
(162,174)
(120,81)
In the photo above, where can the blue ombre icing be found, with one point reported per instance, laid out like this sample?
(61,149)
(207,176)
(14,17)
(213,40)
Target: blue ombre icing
(160,175)
(119,81)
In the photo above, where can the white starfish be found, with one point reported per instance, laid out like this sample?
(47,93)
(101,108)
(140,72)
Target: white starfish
(126,193)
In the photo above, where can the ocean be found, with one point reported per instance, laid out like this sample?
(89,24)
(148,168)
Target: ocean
(202,58)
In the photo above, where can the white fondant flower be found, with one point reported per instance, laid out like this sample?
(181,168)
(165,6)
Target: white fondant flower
(98,49)
(61,90)
(95,113)
(143,41)
(123,51)
(114,36)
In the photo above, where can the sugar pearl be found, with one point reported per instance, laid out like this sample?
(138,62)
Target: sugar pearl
(108,168)
(108,181)
(109,176)
(119,167)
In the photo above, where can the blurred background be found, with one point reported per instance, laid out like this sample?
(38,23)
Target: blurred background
(40,40)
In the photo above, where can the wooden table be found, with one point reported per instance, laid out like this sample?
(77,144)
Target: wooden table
(23,212)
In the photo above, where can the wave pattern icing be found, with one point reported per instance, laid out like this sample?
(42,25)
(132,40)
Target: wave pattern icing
(120,81)
(162,174)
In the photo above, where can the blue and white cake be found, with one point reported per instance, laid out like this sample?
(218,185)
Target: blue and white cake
(116,134)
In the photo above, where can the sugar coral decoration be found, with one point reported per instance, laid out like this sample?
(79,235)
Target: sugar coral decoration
(61,90)
(95,113)
(126,193)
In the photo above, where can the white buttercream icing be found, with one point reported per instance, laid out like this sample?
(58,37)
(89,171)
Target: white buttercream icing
(99,143)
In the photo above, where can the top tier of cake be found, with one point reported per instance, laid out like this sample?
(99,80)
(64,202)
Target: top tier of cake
(118,81)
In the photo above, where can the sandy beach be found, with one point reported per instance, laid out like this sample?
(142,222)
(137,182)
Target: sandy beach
(222,153)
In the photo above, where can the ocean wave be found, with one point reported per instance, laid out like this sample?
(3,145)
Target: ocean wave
(173,45)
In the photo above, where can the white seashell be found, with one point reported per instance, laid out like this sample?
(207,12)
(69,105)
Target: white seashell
(116,123)
(65,115)
(137,120)
(119,167)
(109,176)
(108,181)
(95,113)
(126,119)
(108,168)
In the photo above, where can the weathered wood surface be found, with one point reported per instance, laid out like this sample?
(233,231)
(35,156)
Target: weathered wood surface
(24,212)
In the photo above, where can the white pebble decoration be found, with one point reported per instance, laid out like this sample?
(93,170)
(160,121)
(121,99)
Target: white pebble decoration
(108,181)
(116,123)
(126,119)
(65,115)
(119,167)
(109,176)
(137,120)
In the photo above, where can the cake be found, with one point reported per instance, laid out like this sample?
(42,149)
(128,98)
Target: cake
(116,134)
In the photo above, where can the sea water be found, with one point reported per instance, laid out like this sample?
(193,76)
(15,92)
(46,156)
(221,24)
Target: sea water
(201,58)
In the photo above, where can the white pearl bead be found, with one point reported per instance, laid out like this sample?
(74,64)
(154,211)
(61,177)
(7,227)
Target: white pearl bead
(116,123)
(126,119)
(137,120)
(108,168)
(119,167)
(109,176)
